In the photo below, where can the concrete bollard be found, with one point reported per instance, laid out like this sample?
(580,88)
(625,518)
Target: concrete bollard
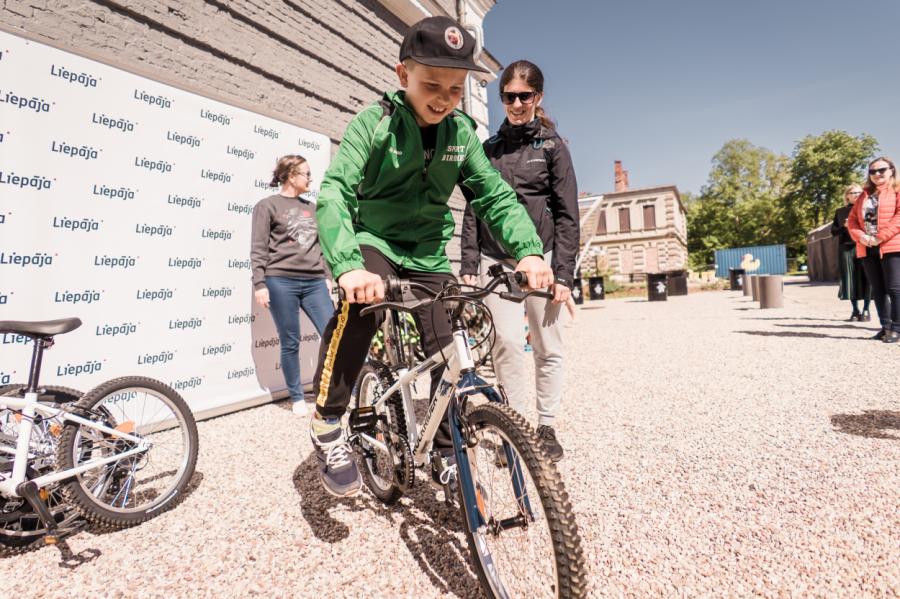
(771,292)
(754,286)
(747,285)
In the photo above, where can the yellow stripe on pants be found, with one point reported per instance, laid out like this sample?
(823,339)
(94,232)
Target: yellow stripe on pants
(325,379)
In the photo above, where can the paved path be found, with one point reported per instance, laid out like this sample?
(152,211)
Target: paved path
(714,449)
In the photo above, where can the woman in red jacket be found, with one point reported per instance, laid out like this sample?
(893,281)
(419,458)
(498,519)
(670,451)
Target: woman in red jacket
(874,224)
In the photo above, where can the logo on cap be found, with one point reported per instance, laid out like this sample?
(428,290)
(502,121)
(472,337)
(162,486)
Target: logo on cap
(453,37)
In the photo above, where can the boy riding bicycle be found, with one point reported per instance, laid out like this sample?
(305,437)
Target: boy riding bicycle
(382,210)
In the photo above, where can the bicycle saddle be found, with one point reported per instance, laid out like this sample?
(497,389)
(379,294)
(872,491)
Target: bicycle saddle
(39,328)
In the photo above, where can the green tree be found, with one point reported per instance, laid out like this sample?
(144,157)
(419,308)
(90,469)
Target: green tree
(823,165)
(741,202)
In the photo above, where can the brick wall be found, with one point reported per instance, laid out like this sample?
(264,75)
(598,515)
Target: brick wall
(313,63)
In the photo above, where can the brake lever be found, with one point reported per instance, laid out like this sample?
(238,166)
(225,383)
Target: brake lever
(402,306)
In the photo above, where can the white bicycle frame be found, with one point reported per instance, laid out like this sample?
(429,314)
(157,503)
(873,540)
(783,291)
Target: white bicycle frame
(459,358)
(30,406)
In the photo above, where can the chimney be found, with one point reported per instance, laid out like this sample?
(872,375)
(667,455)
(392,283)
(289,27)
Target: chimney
(621,178)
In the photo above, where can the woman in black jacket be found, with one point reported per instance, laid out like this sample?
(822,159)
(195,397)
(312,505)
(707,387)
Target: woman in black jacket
(854,285)
(535,161)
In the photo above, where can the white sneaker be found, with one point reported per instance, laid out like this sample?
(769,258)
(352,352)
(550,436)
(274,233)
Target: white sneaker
(299,408)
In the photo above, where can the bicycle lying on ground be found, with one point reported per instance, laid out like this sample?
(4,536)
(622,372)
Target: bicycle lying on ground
(517,516)
(117,456)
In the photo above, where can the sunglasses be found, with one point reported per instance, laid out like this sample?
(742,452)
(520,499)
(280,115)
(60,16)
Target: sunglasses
(879,171)
(524,97)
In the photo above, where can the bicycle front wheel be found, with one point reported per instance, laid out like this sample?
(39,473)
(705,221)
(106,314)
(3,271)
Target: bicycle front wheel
(528,543)
(157,460)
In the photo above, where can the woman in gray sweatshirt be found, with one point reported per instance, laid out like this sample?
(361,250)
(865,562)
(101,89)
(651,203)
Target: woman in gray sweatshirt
(288,270)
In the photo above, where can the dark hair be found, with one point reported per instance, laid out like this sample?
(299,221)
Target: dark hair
(283,168)
(870,187)
(533,77)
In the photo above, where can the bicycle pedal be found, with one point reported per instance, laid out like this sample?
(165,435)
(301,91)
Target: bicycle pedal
(51,540)
(363,420)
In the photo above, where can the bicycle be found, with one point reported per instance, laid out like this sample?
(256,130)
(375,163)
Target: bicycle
(518,520)
(119,455)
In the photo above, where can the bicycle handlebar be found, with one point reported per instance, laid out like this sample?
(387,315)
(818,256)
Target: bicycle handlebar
(398,294)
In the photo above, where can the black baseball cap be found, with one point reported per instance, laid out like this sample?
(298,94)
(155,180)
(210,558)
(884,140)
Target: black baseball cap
(440,42)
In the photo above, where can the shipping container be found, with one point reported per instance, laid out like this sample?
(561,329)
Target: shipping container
(762,260)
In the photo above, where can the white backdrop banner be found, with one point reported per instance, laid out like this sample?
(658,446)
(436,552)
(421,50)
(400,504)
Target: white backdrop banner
(127,202)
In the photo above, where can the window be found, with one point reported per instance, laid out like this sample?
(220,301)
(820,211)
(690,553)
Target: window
(601,223)
(624,220)
(650,217)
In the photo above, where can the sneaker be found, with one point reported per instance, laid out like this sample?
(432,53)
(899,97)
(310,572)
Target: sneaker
(444,474)
(300,408)
(337,468)
(548,437)
(879,335)
(891,337)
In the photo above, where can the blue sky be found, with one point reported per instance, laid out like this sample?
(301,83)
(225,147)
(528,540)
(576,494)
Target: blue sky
(663,84)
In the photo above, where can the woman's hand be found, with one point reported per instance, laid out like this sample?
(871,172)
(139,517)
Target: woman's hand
(261,296)
(561,293)
(538,272)
(362,287)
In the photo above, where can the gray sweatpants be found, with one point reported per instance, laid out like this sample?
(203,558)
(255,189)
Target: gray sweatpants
(509,357)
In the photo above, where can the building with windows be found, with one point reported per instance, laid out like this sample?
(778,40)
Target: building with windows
(637,230)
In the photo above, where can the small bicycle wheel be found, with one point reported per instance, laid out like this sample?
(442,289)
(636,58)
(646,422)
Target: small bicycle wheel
(387,468)
(528,544)
(142,485)
(20,527)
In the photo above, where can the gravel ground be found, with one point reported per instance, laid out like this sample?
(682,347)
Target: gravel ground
(713,449)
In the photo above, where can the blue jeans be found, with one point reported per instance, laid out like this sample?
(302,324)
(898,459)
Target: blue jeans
(287,295)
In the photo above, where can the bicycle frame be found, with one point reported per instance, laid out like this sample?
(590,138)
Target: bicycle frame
(30,406)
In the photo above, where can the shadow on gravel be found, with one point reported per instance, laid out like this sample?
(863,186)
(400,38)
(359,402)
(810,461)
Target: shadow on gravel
(794,318)
(429,528)
(799,334)
(826,326)
(874,424)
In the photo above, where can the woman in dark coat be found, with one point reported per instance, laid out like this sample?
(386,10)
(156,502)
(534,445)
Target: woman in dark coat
(854,285)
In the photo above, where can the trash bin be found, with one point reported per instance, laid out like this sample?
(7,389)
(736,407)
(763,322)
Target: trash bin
(676,282)
(596,289)
(771,291)
(754,287)
(747,285)
(656,287)
(577,292)
(734,278)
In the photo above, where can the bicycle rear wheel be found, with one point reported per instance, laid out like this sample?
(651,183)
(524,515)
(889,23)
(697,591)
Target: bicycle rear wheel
(134,488)
(528,544)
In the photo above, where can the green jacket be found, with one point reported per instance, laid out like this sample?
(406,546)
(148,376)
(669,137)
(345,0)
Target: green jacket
(377,192)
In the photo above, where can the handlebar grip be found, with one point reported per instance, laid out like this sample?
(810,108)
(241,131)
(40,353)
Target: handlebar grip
(520,277)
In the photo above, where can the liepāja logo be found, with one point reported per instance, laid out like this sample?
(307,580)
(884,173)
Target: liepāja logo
(188,383)
(83,79)
(191,141)
(269,342)
(308,144)
(35,260)
(269,132)
(217,350)
(215,117)
(153,100)
(242,373)
(185,263)
(83,296)
(261,184)
(35,103)
(84,225)
(161,231)
(114,193)
(13,339)
(123,262)
(153,165)
(122,124)
(239,319)
(76,151)
(217,235)
(245,209)
(245,153)
(121,329)
(217,292)
(163,294)
(36,182)
(220,177)
(160,357)
(184,201)
(80,368)
(186,324)
(239,263)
